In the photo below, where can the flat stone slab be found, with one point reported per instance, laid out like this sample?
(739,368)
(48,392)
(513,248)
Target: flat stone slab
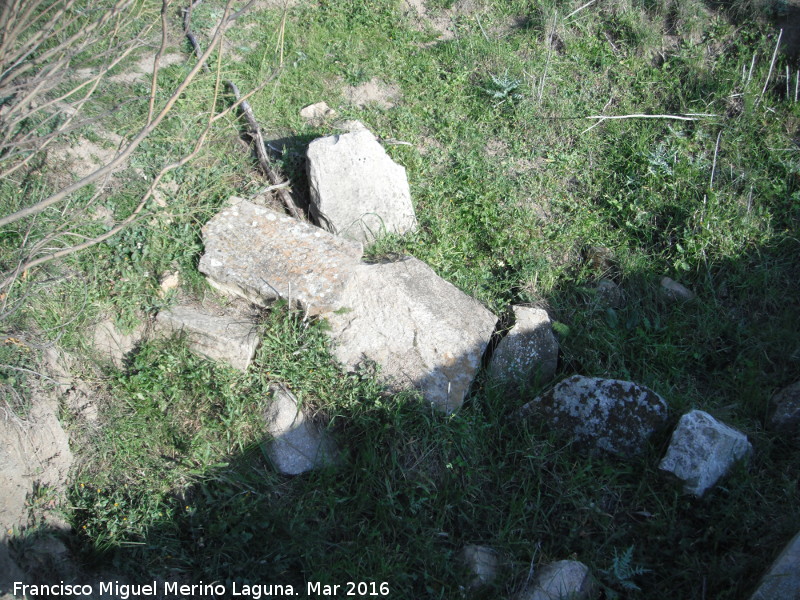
(528,354)
(357,190)
(702,450)
(262,255)
(422,331)
(561,580)
(221,334)
(783,578)
(607,414)
(298,445)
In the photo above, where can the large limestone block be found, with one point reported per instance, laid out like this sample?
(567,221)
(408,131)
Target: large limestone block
(561,580)
(423,331)
(263,255)
(357,191)
(702,450)
(529,353)
(783,578)
(608,414)
(223,334)
(298,445)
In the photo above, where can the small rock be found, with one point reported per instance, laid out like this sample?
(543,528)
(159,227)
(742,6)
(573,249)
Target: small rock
(786,416)
(357,190)
(109,340)
(675,291)
(782,581)
(169,282)
(702,450)
(316,114)
(528,355)
(609,294)
(228,334)
(600,259)
(482,563)
(298,445)
(608,414)
(561,580)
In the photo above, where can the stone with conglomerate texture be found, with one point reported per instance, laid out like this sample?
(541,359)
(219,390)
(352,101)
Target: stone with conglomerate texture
(298,445)
(783,578)
(529,353)
(482,563)
(223,334)
(702,450)
(357,190)
(785,418)
(561,580)
(263,255)
(607,414)
(422,331)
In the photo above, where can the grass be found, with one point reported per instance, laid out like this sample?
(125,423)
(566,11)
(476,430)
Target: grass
(513,195)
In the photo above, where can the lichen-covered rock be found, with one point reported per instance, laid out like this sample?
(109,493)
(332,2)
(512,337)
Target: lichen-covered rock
(263,255)
(357,190)
(561,580)
(482,563)
(422,331)
(607,414)
(702,450)
(298,445)
(529,353)
(785,418)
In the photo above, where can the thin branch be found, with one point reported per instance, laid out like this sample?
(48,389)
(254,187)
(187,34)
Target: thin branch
(714,163)
(643,116)
(771,66)
(579,9)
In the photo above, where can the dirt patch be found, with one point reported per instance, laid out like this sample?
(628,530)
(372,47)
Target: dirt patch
(143,68)
(373,92)
(442,22)
(86,156)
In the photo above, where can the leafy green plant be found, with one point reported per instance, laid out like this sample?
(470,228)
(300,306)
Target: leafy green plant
(503,88)
(619,576)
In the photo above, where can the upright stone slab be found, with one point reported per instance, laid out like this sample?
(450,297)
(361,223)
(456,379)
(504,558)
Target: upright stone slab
(423,331)
(529,353)
(783,578)
(222,334)
(702,450)
(607,414)
(263,255)
(298,445)
(357,191)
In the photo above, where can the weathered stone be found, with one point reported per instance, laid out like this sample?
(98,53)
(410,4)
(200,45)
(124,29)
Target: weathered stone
(782,581)
(482,563)
(785,418)
(262,255)
(423,331)
(110,341)
(702,450)
(224,334)
(528,354)
(357,191)
(675,291)
(609,414)
(316,114)
(169,282)
(298,444)
(561,580)
(609,294)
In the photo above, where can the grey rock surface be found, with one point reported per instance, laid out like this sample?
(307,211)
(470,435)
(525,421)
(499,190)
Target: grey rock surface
(607,414)
(316,113)
(298,444)
(785,417)
(561,580)
(482,563)
(675,291)
(610,294)
(702,450)
(528,354)
(421,330)
(783,578)
(357,190)
(224,334)
(262,255)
